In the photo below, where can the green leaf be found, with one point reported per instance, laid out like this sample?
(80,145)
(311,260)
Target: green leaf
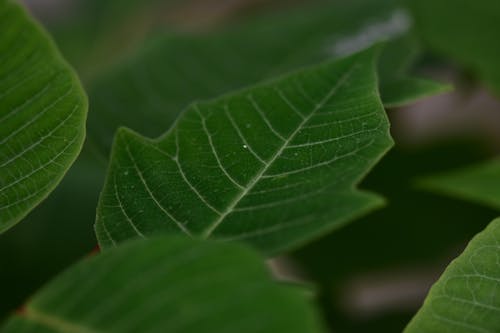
(397,87)
(273,165)
(467,296)
(466,30)
(42,115)
(168,285)
(403,91)
(147,91)
(479,183)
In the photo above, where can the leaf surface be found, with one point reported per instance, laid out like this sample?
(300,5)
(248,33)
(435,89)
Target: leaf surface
(168,285)
(467,296)
(479,183)
(42,115)
(274,165)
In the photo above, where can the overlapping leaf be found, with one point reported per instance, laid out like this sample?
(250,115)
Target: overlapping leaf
(42,115)
(147,92)
(168,285)
(467,296)
(273,165)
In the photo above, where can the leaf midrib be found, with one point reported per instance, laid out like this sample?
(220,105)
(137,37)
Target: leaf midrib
(230,208)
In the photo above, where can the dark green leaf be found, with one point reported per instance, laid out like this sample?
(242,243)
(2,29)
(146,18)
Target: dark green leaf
(168,285)
(42,115)
(274,165)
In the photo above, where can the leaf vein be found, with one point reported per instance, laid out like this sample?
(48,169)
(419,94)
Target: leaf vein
(210,229)
(214,151)
(150,193)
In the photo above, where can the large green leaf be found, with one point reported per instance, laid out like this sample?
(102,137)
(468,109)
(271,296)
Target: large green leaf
(466,31)
(480,183)
(168,285)
(42,115)
(147,92)
(467,296)
(274,165)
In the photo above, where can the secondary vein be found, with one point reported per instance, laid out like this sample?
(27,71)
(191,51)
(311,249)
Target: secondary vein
(211,228)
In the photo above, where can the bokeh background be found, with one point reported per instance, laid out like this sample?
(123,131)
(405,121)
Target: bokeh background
(370,276)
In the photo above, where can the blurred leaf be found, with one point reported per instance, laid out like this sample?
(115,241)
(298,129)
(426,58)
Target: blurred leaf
(479,183)
(467,296)
(147,91)
(274,165)
(42,115)
(403,91)
(54,235)
(399,56)
(168,285)
(464,30)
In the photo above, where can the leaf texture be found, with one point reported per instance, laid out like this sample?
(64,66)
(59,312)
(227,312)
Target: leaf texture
(168,285)
(42,115)
(274,165)
(467,296)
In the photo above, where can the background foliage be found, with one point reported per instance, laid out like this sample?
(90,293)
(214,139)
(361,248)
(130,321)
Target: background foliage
(143,62)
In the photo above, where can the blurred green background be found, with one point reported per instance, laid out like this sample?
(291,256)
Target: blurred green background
(373,274)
